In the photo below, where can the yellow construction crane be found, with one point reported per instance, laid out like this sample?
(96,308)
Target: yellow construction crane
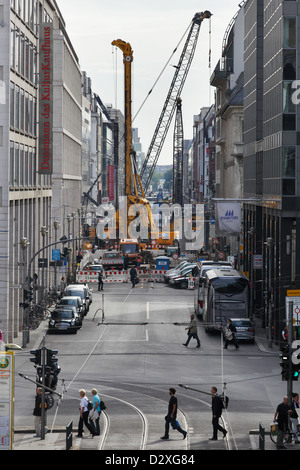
(132,179)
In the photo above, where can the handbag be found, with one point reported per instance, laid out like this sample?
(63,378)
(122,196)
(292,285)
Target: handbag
(93,414)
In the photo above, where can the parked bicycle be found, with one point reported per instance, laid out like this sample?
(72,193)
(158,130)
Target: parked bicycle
(288,437)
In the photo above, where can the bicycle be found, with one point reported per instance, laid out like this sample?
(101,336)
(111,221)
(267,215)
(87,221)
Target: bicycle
(288,437)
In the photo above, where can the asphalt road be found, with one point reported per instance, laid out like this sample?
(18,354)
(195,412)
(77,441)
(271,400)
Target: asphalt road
(134,354)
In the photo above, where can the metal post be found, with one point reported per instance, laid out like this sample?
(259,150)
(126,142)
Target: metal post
(25,332)
(44,231)
(56,227)
(270,319)
(261,437)
(290,341)
(43,391)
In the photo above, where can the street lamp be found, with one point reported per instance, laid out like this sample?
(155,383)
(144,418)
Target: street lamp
(44,232)
(56,227)
(251,232)
(69,218)
(24,244)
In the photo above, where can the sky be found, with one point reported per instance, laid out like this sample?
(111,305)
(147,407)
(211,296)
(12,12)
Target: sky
(153,29)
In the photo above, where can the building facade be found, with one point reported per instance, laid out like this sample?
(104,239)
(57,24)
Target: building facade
(28,207)
(271,153)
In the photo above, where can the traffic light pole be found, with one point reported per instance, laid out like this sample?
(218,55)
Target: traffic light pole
(290,341)
(43,414)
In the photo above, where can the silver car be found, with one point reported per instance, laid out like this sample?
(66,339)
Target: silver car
(245,330)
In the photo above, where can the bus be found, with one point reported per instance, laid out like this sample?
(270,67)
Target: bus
(203,266)
(225,295)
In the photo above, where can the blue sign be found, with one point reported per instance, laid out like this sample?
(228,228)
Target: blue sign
(55,254)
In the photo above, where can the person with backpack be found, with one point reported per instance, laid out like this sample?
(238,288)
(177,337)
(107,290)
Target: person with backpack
(94,414)
(217,407)
(229,333)
(84,409)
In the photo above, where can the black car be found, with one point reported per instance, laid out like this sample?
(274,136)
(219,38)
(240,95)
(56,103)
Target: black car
(65,319)
(73,301)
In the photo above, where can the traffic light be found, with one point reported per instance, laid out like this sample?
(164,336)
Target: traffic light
(295,372)
(67,252)
(51,359)
(285,361)
(38,356)
(28,294)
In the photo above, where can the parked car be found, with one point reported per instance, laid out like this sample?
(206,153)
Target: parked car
(75,302)
(245,330)
(182,280)
(78,291)
(65,319)
(176,271)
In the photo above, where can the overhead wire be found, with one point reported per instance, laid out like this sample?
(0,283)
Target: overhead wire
(160,74)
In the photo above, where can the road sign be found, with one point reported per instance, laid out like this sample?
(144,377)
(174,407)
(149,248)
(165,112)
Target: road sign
(43,262)
(296,309)
(55,254)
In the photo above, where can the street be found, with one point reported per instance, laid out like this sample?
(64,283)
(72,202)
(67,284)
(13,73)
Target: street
(134,354)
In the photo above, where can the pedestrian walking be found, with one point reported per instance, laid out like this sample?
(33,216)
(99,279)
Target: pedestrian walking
(294,416)
(170,418)
(100,280)
(217,408)
(62,286)
(229,333)
(84,415)
(282,413)
(133,276)
(94,415)
(37,413)
(192,332)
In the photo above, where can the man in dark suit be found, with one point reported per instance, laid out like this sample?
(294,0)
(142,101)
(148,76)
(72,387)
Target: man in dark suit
(217,407)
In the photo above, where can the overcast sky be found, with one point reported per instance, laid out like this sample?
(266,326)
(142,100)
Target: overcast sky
(153,29)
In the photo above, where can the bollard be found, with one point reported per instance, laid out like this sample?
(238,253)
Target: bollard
(261,437)
(69,438)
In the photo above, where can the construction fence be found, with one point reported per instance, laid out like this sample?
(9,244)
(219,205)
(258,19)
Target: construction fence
(120,276)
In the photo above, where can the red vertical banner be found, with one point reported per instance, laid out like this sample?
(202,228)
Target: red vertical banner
(111,182)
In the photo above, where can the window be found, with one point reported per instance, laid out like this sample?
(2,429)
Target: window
(288,105)
(289,34)
(288,187)
(288,161)
(12,104)
(289,64)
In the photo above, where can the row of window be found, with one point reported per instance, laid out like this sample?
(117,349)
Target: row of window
(23,55)
(27,10)
(23,111)
(23,168)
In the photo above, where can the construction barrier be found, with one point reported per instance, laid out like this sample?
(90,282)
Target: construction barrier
(144,275)
(191,284)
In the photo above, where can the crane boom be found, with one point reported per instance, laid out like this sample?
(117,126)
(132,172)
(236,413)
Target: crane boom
(181,71)
(178,155)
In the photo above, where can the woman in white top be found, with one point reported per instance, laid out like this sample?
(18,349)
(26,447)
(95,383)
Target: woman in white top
(84,415)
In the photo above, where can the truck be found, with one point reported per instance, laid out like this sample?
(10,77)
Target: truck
(132,248)
(112,259)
